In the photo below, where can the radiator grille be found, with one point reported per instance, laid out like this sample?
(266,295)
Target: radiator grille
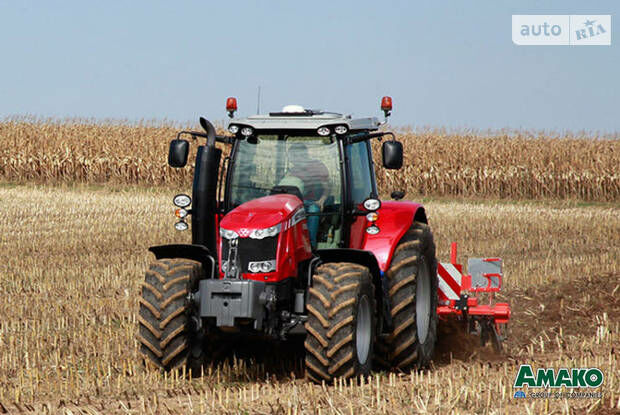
(251,250)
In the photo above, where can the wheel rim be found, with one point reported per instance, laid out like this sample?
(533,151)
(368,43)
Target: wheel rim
(363,330)
(423,302)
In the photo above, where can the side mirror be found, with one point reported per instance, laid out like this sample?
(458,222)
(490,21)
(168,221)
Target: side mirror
(392,152)
(177,154)
(397,194)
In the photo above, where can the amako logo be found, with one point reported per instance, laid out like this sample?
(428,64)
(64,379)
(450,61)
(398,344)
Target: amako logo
(548,378)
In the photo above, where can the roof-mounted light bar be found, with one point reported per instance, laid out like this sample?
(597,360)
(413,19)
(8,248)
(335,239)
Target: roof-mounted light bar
(326,130)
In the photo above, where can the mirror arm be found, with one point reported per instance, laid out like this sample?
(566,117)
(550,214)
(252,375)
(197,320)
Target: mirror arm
(192,133)
(220,138)
(356,138)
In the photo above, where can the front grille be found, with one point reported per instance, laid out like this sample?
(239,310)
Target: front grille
(250,250)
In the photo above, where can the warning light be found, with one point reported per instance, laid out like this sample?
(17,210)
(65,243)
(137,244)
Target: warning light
(386,105)
(231,106)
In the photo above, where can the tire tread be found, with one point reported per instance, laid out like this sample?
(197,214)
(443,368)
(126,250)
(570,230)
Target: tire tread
(332,307)
(164,330)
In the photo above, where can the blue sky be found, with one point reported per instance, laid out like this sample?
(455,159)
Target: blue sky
(446,64)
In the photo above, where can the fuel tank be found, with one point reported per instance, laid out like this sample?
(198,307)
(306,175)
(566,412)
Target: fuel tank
(264,239)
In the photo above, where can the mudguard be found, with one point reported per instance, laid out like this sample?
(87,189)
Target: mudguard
(195,252)
(395,218)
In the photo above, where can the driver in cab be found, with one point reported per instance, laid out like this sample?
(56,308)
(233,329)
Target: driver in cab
(311,177)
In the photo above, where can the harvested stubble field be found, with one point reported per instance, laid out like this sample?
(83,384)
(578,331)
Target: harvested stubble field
(72,260)
(437,163)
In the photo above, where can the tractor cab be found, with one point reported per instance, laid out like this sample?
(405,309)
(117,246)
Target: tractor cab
(313,155)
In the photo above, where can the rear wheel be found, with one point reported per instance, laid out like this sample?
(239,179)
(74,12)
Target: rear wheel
(412,282)
(341,322)
(168,335)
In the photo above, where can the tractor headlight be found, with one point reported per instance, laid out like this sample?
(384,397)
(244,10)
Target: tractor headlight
(246,131)
(372,204)
(267,266)
(323,131)
(341,129)
(226,234)
(182,200)
(262,266)
(266,233)
(233,129)
(181,226)
(372,230)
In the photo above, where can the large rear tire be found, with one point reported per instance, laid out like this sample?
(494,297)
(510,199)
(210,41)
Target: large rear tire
(167,332)
(412,282)
(341,322)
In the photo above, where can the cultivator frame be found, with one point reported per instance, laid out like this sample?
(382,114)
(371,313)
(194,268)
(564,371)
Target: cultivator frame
(458,297)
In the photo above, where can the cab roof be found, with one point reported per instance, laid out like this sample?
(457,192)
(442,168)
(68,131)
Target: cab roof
(306,120)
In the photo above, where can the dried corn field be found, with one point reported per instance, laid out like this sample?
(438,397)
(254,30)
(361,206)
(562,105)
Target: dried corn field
(72,260)
(437,163)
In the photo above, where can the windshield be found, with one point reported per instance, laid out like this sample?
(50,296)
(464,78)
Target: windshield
(309,164)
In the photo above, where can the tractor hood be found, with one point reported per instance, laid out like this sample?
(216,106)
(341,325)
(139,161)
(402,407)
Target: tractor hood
(260,213)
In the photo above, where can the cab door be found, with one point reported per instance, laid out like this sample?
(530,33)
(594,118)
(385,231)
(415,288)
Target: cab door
(361,185)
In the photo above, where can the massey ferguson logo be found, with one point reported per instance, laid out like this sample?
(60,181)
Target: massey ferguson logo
(244,232)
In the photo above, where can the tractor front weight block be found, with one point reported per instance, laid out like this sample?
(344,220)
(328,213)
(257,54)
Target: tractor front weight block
(228,300)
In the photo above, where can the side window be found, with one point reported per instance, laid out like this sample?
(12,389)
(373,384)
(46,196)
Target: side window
(361,175)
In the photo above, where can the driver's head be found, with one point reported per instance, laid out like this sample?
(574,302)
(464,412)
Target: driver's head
(298,153)
(317,178)
(311,170)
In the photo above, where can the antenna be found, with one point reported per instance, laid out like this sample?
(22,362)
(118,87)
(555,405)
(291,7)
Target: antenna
(258,101)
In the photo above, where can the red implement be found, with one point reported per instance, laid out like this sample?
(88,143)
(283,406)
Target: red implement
(457,296)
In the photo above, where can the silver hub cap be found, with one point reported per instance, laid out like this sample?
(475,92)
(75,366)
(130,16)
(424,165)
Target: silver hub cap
(363,329)
(423,302)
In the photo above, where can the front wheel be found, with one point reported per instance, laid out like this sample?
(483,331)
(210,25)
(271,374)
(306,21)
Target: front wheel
(168,335)
(341,322)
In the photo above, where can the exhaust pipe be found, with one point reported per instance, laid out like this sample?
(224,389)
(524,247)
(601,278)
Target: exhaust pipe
(204,192)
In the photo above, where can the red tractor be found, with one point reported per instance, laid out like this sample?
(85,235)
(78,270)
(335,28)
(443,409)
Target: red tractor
(294,240)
